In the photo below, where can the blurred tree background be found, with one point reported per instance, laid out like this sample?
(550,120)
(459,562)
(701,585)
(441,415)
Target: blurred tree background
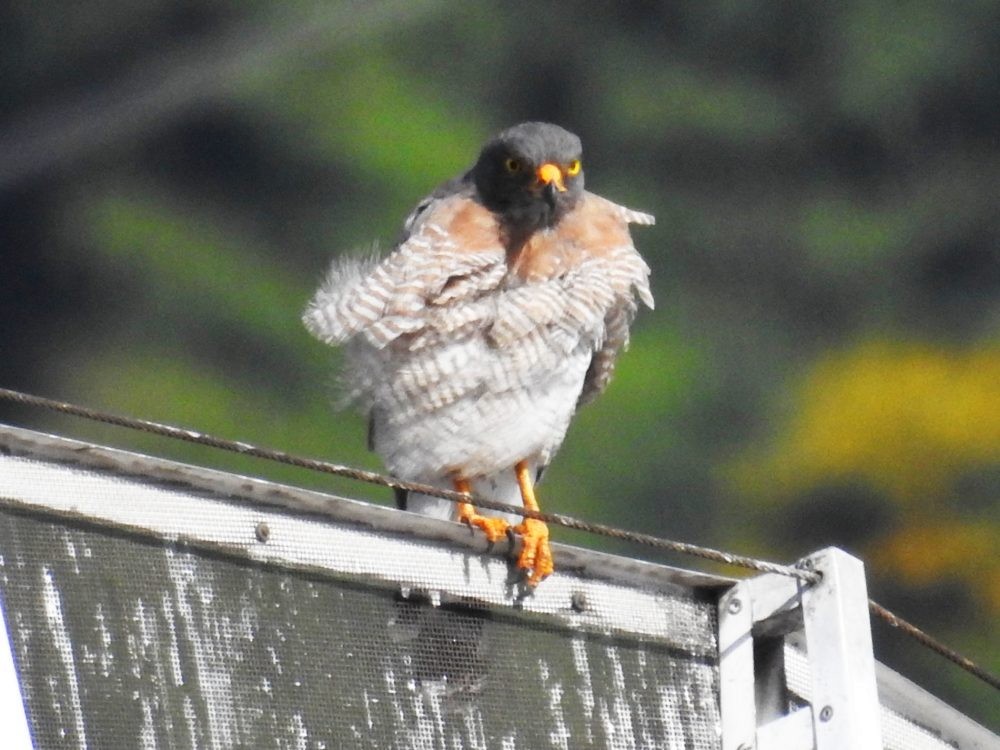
(823,366)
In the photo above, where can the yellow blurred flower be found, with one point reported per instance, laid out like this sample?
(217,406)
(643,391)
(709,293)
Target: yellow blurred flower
(904,418)
(908,420)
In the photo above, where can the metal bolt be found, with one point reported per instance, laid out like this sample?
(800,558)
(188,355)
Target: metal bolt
(578,601)
(262,532)
(735,605)
(826,713)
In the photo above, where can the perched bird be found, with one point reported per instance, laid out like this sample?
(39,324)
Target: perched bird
(501,309)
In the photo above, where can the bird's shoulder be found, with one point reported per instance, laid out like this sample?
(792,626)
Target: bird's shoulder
(595,228)
(452,221)
(455,186)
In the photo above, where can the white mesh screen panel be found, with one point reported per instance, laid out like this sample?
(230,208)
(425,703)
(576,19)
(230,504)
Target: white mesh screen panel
(152,615)
(155,605)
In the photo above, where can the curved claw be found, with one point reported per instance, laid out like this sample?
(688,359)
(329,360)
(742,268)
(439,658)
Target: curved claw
(536,555)
(494,528)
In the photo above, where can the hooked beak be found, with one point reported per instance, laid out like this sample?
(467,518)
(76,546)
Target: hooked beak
(550,174)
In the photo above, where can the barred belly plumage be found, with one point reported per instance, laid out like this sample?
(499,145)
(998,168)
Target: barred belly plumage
(487,430)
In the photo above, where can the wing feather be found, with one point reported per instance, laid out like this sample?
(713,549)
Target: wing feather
(446,316)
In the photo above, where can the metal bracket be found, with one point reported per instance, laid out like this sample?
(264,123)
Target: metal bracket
(756,618)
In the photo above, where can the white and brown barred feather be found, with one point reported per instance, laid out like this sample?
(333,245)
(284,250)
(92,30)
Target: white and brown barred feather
(417,323)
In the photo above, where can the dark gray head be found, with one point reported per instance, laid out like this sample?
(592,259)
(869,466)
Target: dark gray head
(530,174)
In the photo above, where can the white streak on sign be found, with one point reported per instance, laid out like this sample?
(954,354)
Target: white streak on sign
(559,735)
(213,677)
(617,717)
(61,639)
(585,688)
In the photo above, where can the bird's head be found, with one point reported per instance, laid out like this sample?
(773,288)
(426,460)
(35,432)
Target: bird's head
(530,174)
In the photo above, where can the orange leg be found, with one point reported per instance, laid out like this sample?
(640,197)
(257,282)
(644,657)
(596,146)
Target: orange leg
(494,528)
(535,554)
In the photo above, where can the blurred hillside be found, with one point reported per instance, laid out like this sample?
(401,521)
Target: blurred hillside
(823,366)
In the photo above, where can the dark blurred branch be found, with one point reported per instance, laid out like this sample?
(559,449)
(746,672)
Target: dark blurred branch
(169,86)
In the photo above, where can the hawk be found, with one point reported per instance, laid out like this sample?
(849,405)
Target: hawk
(501,309)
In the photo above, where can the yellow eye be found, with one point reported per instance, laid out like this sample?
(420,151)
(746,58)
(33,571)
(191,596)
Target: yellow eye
(513,165)
(573,168)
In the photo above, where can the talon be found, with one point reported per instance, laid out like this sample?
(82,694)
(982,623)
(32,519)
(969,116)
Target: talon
(494,528)
(536,555)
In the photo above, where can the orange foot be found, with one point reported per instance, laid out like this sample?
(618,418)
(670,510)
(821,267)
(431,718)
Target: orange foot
(536,556)
(494,528)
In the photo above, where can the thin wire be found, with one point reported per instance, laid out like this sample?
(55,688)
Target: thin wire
(933,644)
(707,553)
(326,467)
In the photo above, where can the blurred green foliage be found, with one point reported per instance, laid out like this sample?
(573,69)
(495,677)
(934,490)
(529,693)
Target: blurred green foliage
(822,364)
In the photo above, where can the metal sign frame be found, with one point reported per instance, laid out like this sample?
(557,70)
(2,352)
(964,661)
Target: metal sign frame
(796,669)
(13,718)
(755,617)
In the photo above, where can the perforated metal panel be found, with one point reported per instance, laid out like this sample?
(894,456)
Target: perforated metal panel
(146,615)
(898,731)
(155,605)
(911,718)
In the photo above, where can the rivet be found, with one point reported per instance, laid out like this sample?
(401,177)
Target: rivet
(735,605)
(262,532)
(578,601)
(826,713)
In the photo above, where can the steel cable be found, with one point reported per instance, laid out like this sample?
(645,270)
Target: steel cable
(326,467)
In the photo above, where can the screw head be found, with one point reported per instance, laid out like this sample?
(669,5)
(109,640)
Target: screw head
(262,532)
(734,606)
(578,601)
(826,713)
